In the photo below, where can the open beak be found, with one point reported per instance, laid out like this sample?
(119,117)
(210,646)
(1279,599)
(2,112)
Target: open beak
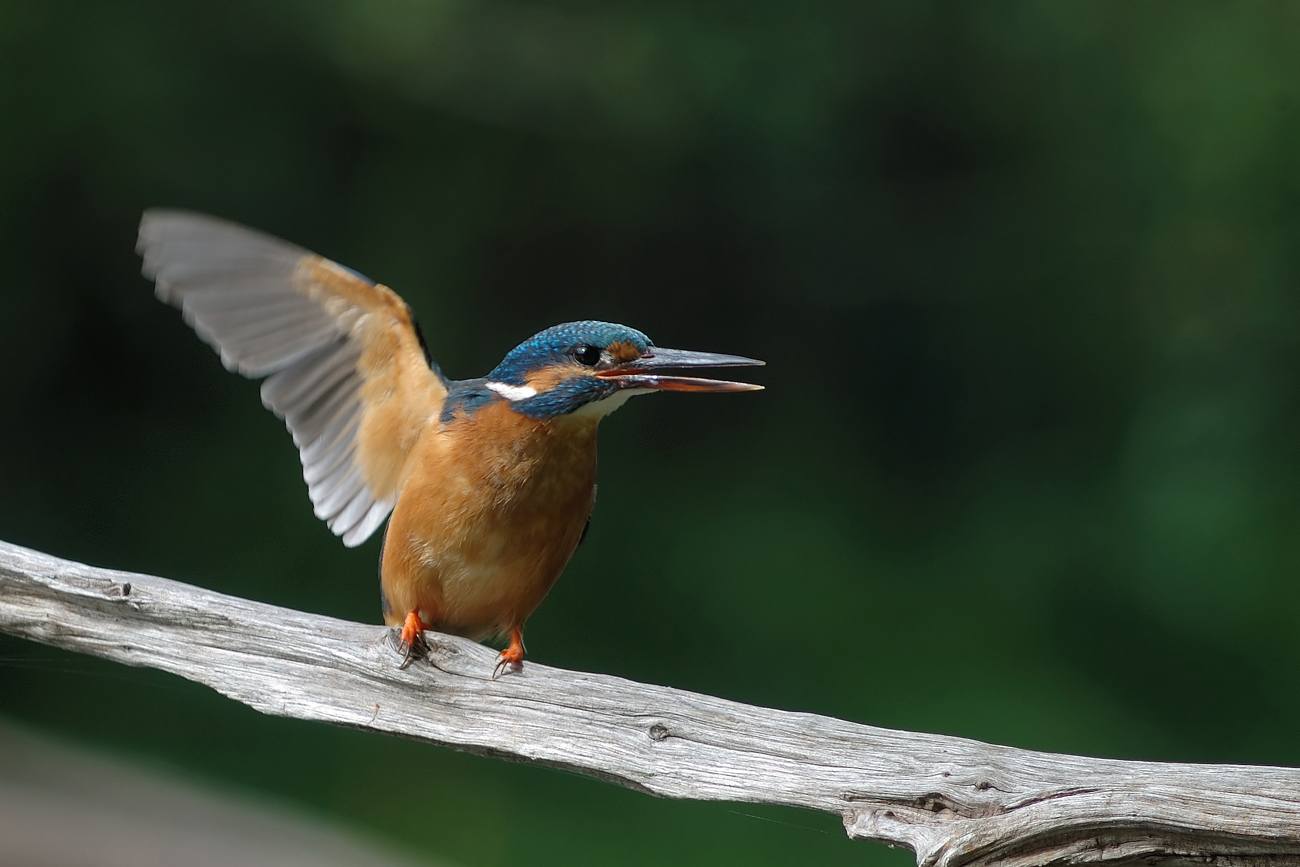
(640,373)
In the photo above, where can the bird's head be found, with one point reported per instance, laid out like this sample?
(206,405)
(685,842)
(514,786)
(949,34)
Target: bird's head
(591,368)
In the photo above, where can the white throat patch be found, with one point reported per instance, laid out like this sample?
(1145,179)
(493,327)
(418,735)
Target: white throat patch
(601,408)
(513,393)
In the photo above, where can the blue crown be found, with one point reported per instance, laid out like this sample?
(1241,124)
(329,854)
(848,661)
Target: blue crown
(557,344)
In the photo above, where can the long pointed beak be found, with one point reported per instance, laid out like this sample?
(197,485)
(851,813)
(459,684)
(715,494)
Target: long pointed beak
(639,373)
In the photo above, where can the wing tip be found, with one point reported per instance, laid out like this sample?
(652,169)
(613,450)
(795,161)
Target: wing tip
(366,526)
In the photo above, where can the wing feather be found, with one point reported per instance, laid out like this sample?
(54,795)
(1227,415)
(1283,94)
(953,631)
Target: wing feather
(324,466)
(337,438)
(343,362)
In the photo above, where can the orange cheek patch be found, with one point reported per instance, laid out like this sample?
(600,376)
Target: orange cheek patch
(548,378)
(624,351)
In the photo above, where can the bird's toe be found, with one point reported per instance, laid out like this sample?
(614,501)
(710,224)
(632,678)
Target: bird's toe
(411,639)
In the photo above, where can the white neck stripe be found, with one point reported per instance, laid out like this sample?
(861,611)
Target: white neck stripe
(513,393)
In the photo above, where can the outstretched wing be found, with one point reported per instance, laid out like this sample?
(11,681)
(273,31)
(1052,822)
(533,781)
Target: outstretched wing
(345,364)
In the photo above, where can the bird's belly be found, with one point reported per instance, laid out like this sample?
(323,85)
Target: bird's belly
(476,555)
(493,576)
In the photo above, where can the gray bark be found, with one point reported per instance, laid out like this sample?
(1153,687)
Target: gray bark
(953,801)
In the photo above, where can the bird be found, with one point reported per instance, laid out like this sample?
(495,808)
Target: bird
(487,484)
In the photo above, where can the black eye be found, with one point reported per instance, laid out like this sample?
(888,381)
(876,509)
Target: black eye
(588,355)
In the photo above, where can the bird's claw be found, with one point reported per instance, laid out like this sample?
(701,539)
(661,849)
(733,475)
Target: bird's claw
(412,651)
(411,639)
(511,657)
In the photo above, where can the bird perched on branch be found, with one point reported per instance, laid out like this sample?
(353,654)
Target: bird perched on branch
(490,481)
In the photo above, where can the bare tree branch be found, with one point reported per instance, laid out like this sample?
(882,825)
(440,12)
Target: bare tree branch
(953,801)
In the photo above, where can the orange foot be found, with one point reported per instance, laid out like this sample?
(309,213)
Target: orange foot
(411,642)
(512,656)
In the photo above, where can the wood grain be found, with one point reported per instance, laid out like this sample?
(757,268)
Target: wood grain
(951,800)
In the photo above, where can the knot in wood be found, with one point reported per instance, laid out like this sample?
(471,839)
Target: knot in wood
(659,732)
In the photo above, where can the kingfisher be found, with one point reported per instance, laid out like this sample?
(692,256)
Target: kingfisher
(489,482)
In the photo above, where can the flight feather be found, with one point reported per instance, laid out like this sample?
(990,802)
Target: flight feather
(343,362)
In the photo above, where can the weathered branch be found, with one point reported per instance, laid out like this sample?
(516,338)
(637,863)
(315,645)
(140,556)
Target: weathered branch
(953,801)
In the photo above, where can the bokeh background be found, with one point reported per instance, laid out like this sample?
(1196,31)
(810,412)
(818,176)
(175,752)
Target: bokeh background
(1025,276)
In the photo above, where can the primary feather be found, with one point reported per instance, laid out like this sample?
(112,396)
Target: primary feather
(343,360)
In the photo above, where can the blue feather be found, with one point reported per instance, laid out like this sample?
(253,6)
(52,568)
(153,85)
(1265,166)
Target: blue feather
(555,345)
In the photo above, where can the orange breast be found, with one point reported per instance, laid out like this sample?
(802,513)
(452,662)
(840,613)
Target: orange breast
(492,510)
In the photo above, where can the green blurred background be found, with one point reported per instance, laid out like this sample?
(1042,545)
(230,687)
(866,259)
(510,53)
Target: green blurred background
(1027,468)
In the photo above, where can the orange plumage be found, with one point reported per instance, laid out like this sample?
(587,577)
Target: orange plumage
(492,511)
(490,481)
